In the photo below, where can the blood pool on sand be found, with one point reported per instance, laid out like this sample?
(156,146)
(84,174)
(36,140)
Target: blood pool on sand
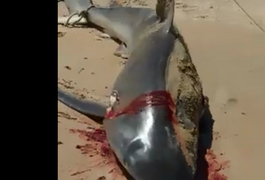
(97,145)
(214,167)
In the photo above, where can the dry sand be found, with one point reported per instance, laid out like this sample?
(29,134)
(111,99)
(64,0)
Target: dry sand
(228,49)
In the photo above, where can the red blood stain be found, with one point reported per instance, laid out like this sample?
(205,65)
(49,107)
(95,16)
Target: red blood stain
(98,142)
(95,137)
(154,98)
(97,145)
(214,167)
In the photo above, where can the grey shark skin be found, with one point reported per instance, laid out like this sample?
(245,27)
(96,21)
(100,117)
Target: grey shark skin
(76,9)
(145,142)
(77,5)
(122,23)
(85,107)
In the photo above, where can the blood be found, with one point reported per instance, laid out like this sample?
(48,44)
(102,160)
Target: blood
(95,136)
(154,98)
(214,167)
(97,145)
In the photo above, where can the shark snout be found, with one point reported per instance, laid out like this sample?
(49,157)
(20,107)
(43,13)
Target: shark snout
(155,154)
(155,163)
(146,144)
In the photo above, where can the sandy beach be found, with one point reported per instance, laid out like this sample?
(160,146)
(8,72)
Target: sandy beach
(226,39)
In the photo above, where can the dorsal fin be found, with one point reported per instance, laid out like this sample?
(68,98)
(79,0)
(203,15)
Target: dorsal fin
(165,10)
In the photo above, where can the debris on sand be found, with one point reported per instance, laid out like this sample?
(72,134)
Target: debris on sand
(102,178)
(67,67)
(61,34)
(80,172)
(66,116)
(214,167)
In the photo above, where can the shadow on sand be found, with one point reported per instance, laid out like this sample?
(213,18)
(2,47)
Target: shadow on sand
(205,142)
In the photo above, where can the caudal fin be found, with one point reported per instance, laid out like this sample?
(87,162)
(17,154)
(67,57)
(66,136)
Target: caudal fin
(85,107)
(165,10)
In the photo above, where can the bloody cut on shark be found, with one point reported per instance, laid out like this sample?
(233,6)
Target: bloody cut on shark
(99,144)
(154,98)
(157,98)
